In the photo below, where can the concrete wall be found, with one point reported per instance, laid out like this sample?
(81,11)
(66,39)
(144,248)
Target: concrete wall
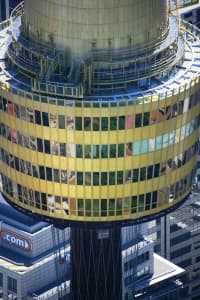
(74,25)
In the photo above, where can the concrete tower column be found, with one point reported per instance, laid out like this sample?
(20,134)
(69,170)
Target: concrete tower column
(96,263)
(77,25)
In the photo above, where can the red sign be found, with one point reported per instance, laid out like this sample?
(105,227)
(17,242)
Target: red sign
(16,240)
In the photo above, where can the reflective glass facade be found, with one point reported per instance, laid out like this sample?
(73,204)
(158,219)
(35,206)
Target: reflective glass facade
(135,171)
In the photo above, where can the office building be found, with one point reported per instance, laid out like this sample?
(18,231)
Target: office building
(31,261)
(99,115)
(177,238)
(35,266)
(146,275)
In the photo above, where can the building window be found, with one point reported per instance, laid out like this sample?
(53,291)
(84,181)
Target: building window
(45,119)
(113,123)
(138,120)
(112,150)
(78,123)
(12,288)
(1,280)
(122,122)
(135,174)
(182,251)
(61,122)
(96,124)
(79,151)
(146,118)
(1,286)
(87,123)
(104,124)
(38,117)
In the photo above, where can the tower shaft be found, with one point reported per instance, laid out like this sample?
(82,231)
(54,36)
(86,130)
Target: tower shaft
(96,263)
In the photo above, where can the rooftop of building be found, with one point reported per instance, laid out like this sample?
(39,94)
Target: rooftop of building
(163,270)
(188,216)
(19,264)
(163,279)
(12,217)
(51,290)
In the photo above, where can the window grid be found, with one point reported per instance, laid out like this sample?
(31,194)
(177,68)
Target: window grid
(99,207)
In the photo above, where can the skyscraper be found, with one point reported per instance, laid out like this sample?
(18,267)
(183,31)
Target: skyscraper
(99,117)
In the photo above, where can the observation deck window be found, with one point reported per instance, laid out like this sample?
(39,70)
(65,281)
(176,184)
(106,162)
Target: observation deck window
(156,170)
(88,207)
(104,151)
(96,207)
(80,207)
(38,117)
(96,124)
(79,151)
(34,171)
(111,178)
(121,123)
(148,201)
(47,146)
(120,177)
(62,149)
(112,150)
(87,123)
(56,175)
(61,122)
(111,207)
(143,174)
(78,123)
(95,151)
(104,178)
(104,207)
(45,119)
(95,178)
(141,203)
(113,123)
(138,120)
(146,118)
(104,124)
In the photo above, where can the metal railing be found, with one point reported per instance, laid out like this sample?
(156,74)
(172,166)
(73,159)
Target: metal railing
(129,99)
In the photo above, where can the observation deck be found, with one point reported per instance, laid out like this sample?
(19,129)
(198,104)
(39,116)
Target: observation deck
(114,74)
(110,136)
